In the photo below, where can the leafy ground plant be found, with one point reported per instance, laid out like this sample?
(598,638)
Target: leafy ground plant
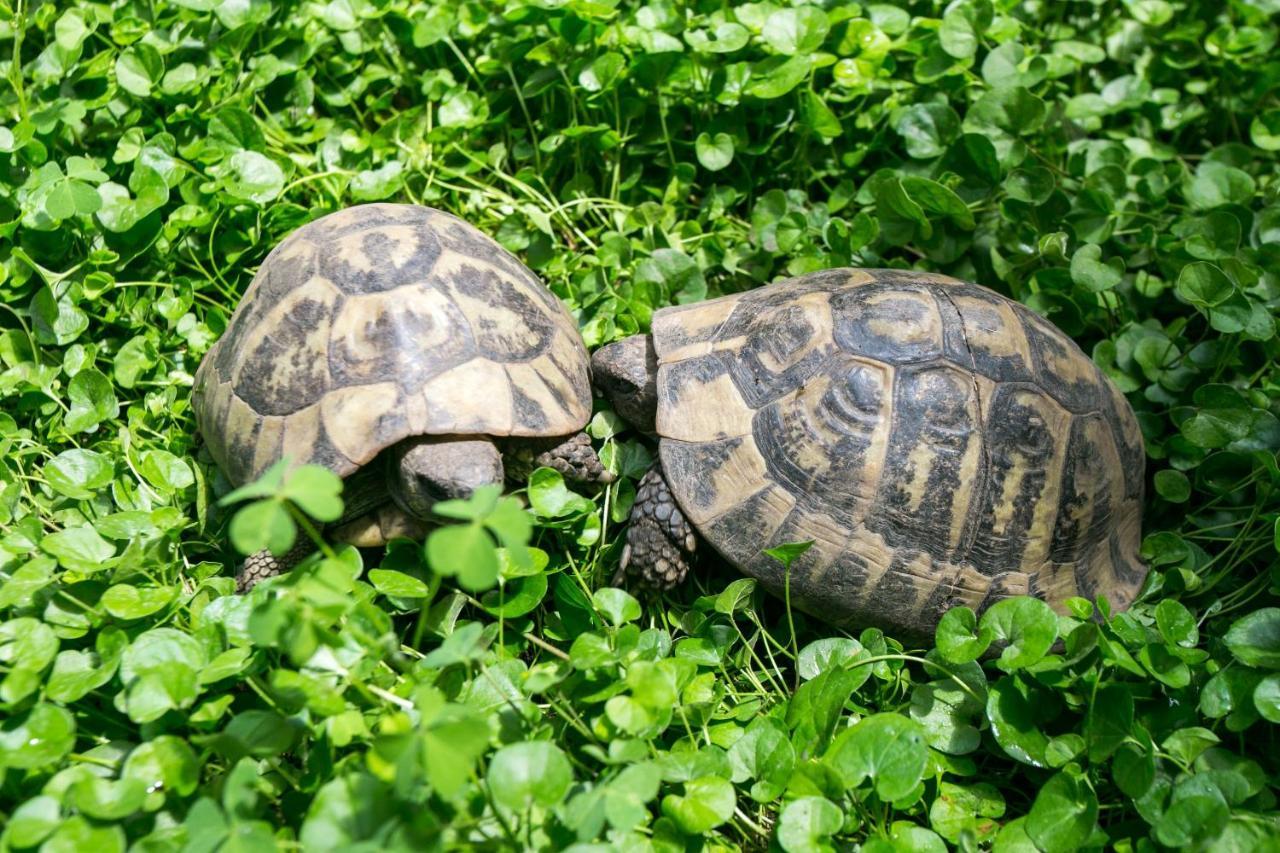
(1110,164)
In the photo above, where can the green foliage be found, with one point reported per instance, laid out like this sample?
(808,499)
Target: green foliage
(1110,164)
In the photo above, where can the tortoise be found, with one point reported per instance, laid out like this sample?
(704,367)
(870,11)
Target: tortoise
(940,444)
(405,351)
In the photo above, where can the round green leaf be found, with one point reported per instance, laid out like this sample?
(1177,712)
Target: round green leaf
(826,654)
(1264,130)
(259,733)
(796,30)
(774,78)
(966,808)
(1266,697)
(27,643)
(78,473)
(377,184)
(107,799)
(253,177)
(1196,812)
(80,549)
(162,765)
(1109,722)
(37,738)
(906,837)
(957,34)
(75,673)
(1204,285)
(263,525)
(316,492)
(764,754)
(529,773)
(889,749)
(1133,770)
(93,400)
(398,584)
(1255,639)
(714,153)
(350,808)
(125,601)
(807,824)
(1028,625)
(603,72)
(722,38)
(166,472)
(1013,715)
(1090,272)
(1216,184)
(1177,625)
(1063,814)
(516,596)
(139,68)
(1013,838)
(1173,486)
(958,637)
(707,802)
(616,605)
(76,835)
(549,497)
(927,129)
(33,821)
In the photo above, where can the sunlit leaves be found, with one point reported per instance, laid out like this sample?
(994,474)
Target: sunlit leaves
(634,156)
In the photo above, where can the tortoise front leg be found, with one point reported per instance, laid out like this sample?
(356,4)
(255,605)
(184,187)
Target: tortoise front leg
(660,540)
(262,565)
(574,458)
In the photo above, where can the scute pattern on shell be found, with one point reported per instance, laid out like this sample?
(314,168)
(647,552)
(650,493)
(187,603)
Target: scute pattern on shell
(381,322)
(940,445)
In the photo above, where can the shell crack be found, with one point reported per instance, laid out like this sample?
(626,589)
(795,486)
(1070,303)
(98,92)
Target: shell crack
(983,453)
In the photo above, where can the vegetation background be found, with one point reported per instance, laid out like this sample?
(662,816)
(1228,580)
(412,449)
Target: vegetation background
(1110,164)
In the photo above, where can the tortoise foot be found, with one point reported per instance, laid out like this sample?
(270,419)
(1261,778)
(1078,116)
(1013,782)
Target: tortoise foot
(262,565)
(660,540)
(574,458)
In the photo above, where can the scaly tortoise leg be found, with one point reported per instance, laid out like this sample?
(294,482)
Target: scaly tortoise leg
(660,540)
(574,458)
(262,565)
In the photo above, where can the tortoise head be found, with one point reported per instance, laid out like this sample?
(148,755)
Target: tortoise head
(428,469)
(626,372)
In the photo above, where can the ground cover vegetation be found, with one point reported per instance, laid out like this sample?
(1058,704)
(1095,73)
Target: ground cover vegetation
(1110,164)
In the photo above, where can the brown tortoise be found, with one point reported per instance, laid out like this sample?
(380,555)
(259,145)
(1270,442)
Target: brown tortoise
(939,443)
(400,348)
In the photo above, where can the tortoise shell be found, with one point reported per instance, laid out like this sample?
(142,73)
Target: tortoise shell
(379,323)
(939,444)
